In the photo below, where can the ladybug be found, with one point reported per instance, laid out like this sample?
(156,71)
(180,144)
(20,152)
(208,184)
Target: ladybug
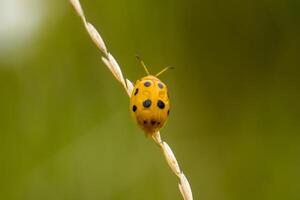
(149,102)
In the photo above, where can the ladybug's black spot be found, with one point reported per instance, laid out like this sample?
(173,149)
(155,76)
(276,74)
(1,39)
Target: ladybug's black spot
(145,122)
(168,112)
(158,123)
(160,104)
(160,85)
(153,122)
(147,84)
(136,91)
(147,103)
(134,108)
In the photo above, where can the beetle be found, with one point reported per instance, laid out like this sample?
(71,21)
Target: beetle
(149,102)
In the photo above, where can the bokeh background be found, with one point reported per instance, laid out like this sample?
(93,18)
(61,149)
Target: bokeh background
(65,127)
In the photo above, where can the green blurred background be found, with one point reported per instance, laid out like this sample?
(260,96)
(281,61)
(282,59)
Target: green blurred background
(65,128)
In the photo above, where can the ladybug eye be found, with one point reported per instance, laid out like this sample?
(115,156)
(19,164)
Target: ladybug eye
(147,84)
(160,104)
(153,122)
(160,85)
(147,103)
(136,91)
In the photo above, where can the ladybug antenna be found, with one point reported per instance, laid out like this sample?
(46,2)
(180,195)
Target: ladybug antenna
(142,63)
(162,71)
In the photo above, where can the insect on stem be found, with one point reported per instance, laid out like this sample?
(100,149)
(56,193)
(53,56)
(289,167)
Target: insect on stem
(114,67)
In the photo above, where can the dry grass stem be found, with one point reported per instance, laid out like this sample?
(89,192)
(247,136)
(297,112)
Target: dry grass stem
(110,67)
(156,137)
(115,69)
(77,7)
(185,187)
(96,37)
(171,158)
(129,87)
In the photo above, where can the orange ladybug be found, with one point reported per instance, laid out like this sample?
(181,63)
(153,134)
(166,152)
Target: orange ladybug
(149,102)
